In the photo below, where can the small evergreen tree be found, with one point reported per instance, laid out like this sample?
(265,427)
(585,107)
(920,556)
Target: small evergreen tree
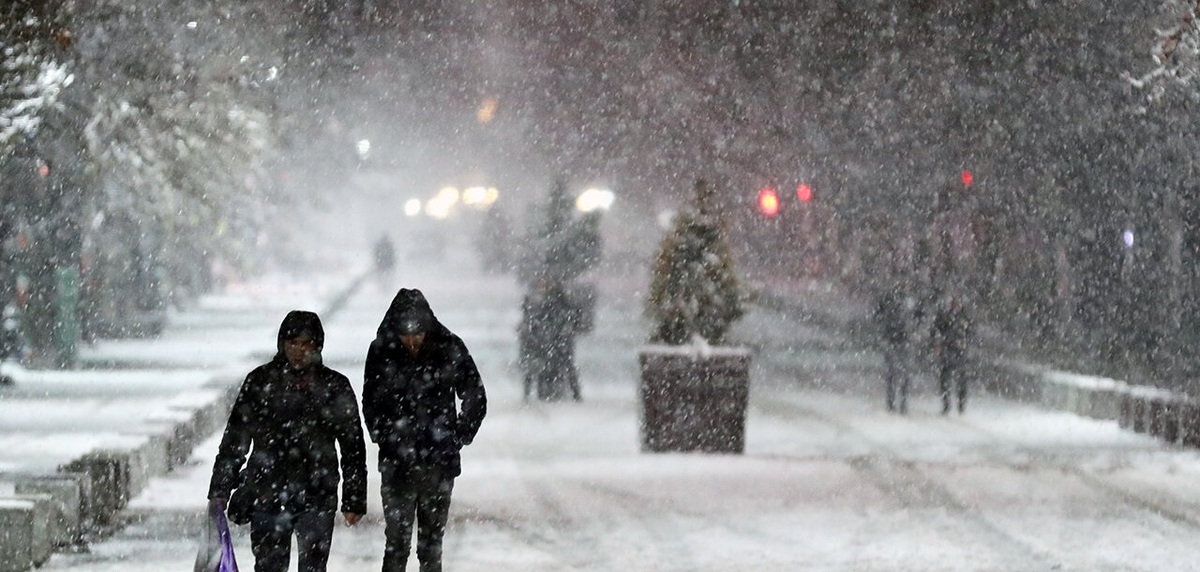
(694,289)
(562,247)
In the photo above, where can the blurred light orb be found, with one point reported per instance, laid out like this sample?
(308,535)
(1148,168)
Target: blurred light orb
(480,197)
(594,200)
(448,195)
(412,207)
(768,201)
(363,148)
(442,204)
(1127,238)
(487,110)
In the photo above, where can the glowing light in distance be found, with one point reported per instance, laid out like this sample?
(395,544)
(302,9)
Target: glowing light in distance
(481,197)
(804,193)
(594,200)
(441,205)
(412,207)
(487,110)
(768,202)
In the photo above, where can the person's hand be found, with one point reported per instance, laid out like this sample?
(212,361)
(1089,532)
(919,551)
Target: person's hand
(352,518)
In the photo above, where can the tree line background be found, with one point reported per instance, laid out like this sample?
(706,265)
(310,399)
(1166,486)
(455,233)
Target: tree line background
(180,134)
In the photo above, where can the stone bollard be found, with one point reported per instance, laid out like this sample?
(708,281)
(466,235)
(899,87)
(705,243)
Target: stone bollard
(1140,409)
(181,431)
(1054,394)
(1163,417)
(108,472)
(41,544)
(68,493)
(139,456)
(1127,411)
(1106,403)
(153,457)
(1141,413)
(17,521)
(1189,423)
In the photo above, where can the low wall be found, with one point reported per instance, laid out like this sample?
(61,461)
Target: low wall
(1169,416)
(83,498)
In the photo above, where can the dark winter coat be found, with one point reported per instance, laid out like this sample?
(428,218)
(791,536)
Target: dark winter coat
(289,422)
(411,402)
(551,320)
(951,335)
(894,318)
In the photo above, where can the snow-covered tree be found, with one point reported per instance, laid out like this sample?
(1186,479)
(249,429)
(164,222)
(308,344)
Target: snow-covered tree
(1175,52)
(176,135)
(31,76)
(561,245)
(694,289)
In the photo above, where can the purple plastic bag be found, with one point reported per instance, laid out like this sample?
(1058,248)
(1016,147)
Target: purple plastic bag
(216,545)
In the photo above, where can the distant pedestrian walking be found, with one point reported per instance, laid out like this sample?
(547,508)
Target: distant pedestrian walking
(951,336)
(895,317)
(551,319)
(292,417)
(385,258)
(417,374)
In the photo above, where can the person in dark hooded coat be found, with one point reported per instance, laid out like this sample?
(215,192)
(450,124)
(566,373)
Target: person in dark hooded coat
(951,336)
(423,400)
(288,417)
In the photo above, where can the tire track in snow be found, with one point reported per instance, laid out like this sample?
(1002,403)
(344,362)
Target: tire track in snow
(1183,514)
(914,489)
(561,518)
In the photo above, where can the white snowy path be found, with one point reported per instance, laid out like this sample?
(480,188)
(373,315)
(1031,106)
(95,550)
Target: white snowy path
(829,480)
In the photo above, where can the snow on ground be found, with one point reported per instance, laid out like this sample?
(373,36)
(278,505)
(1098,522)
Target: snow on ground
(829,481)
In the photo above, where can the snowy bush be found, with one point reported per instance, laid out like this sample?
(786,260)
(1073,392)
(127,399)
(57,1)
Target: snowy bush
(694,290)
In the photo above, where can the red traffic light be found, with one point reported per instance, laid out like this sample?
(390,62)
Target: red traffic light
(768,201)
(804,193)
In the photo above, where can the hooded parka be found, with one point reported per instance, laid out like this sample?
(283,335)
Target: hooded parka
(409,400)
(292,422)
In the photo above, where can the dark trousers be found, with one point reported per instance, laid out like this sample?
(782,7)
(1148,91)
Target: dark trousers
(951,373)
(896,377)
(271,540)
(421,497)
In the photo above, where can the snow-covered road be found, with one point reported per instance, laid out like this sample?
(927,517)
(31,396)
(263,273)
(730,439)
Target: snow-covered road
(829,480)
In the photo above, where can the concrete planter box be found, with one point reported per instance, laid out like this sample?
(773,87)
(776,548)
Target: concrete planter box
(67,510)
(694,398)
(17,523)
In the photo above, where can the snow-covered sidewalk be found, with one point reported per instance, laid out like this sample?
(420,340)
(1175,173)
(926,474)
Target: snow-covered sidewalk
(829,481)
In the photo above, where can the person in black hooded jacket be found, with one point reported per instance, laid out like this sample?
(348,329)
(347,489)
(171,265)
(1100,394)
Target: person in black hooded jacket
(292,411)
(423,400)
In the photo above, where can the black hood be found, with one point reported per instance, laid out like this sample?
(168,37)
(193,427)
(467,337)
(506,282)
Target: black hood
(298,322)
(409,314)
